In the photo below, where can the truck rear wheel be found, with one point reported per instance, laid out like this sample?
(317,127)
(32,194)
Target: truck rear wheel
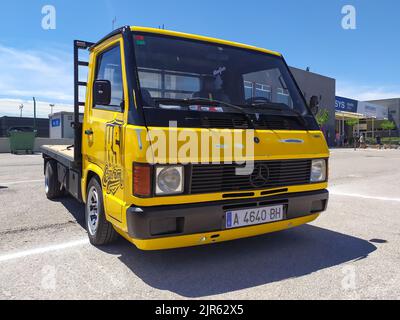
(100,231)
(52,185)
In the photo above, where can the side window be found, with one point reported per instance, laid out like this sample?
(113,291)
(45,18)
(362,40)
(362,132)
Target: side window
(109,67)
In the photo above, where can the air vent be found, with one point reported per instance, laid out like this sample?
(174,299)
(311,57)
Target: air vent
(224,123)
(275,123)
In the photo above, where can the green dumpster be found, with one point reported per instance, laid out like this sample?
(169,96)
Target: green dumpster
(22,140)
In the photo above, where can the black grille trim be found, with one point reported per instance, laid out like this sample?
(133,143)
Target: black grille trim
(267,122)
(222,177)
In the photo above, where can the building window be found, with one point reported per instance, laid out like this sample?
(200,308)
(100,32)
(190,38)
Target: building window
(257,90)
(169,84)
(283,96)
(248,89)
(263,91)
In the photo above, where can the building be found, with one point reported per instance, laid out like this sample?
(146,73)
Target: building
(61,125)
(368,118)
(42,125)
(312,84)
(393,106)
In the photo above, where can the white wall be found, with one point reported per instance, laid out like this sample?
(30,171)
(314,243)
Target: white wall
(5,145)
(373,110)
(64,129)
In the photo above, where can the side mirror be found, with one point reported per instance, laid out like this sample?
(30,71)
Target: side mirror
(102,93)
(314,104)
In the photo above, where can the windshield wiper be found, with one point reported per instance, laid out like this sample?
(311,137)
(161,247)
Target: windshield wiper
(205,101)
(275,107)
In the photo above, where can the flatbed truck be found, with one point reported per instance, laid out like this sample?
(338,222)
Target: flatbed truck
(140,80)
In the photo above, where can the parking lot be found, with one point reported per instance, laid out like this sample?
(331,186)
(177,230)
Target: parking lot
(351,252)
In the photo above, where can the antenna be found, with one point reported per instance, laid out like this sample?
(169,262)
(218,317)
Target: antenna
(113,23)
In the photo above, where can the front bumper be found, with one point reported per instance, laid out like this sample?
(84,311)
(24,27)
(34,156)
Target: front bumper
(165,222)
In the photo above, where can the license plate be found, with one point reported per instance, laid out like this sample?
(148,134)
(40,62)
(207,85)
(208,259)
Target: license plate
(249,217)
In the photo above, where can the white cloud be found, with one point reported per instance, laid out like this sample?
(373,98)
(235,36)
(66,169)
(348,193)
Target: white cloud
(9,107)
(45,74)
(366,92)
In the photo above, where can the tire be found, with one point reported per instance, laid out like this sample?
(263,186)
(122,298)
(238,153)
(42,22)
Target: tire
(52,185)
(100,231)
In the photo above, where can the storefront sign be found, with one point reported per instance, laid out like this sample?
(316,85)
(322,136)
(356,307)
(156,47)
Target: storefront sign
(346,105)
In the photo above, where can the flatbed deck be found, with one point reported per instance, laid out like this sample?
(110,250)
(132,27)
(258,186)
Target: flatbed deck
(63,154)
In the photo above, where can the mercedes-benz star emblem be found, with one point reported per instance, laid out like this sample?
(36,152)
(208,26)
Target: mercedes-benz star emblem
(260,176)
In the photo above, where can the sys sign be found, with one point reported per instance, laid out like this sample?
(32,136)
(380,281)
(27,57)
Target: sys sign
(347,105)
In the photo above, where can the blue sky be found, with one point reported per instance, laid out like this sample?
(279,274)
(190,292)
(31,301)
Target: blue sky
(364,61)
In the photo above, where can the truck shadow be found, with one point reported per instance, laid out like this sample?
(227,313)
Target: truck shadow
(226,267)
(76,209)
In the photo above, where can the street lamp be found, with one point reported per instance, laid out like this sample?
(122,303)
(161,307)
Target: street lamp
(52,106)
(21,107)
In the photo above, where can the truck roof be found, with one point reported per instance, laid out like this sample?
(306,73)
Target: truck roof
(187,36)
(202,38)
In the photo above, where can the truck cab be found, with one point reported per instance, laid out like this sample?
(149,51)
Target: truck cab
(188,140)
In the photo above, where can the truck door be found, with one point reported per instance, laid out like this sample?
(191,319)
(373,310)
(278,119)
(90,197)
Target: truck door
(103,130)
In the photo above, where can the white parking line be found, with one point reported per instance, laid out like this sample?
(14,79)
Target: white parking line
(20,182)
(355,195)
(37,251)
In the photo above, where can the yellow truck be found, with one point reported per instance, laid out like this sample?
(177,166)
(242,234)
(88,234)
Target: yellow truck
(188,140)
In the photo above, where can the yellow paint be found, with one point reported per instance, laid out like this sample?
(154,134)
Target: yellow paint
(227,235)
(136,147)
(101,146)
(269,148)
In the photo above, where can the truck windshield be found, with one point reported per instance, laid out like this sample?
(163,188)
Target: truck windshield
(172,69)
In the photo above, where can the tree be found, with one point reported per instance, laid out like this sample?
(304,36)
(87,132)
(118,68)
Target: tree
(322,117)
(352,122)
(388,125)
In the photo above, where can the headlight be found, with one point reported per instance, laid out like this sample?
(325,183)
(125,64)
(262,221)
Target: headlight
(318,170)
(169,180)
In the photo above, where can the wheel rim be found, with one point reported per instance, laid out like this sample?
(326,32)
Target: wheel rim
(46,179)
(92,210)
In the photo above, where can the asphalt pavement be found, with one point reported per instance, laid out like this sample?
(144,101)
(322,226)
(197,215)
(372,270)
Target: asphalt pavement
(351,252)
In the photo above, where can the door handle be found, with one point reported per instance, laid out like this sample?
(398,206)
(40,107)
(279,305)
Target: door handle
(89,132)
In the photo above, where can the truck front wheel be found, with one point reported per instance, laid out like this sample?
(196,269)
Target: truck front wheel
(100,231)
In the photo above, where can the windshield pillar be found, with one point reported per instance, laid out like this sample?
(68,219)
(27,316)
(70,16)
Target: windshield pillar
(135,114)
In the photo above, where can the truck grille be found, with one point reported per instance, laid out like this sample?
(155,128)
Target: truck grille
(270,122)
(266,174)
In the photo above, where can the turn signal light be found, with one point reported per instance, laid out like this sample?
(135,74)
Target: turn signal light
(141,180)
